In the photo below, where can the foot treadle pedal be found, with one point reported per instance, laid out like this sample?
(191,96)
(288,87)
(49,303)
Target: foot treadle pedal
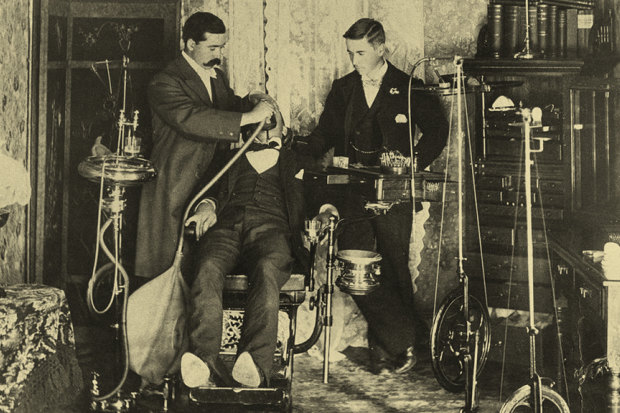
(238,395)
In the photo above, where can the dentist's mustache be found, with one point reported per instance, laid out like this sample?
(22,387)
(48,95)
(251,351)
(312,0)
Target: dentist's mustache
(214,62)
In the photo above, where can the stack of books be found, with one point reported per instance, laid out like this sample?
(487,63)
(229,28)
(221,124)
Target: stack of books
(557,29)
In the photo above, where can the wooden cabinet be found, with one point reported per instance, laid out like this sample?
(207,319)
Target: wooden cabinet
(585,324)
(575,187)
(576,198)
(499,170)
(592,218)
(551,81)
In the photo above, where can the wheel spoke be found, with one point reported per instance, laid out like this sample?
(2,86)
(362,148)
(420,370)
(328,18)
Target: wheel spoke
(450,342)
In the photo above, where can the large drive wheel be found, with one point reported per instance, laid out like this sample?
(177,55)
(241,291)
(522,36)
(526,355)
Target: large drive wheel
(448,340)
(521,401)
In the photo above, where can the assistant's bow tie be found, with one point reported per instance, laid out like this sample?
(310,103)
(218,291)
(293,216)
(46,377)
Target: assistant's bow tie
(371,82)
(257,146)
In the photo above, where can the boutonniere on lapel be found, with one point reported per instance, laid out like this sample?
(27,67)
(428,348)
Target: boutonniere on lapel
(394,91)
(400,118)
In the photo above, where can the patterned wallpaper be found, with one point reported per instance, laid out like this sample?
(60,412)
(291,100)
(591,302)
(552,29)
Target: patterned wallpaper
(13,130)
(451,28)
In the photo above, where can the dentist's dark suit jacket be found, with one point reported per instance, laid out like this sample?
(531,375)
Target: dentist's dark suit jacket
(360,132)
(187,125)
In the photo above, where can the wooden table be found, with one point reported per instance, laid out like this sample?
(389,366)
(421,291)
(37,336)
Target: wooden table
(38,366)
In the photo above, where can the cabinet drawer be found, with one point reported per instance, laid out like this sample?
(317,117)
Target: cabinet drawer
(497,267)
(511,149)
(497,235)
(538,235)
(492,182)
(514,197)
(590,298)
(551,200)
(490,196)
(499,291)
(509,211)
(547,187)
(515,168)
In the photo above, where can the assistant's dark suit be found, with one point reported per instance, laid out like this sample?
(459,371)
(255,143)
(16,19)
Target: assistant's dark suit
(348,123)
(187,125)
(259,224)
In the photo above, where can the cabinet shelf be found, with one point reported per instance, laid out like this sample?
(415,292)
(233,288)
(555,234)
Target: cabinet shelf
(569,4)
(542,67)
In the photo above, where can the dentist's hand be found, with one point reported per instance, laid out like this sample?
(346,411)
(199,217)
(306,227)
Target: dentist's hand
(204,218)
(258,96)
(262,111)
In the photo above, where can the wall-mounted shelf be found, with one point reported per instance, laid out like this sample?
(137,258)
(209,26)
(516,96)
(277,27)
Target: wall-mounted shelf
(569,4)
(546,67)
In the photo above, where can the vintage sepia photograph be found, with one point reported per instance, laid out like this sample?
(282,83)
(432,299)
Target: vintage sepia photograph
(334,206)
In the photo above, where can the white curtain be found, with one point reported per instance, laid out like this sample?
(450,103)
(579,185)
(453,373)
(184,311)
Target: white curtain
(306,50)
(298,45)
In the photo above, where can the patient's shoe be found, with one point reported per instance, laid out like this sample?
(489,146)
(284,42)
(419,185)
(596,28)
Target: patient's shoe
(246,372)
(195,372)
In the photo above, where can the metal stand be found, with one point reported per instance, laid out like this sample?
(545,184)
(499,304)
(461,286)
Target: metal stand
(460,335)
(471,402)
(114,205)
(115,172)
(535,379)
(526,53)
(328,294)
(323,301)
(535,392)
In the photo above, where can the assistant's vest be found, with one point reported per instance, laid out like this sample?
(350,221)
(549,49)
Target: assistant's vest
(366,141)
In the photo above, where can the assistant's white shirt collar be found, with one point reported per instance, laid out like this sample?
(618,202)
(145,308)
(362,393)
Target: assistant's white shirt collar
(197,68)
(371,83)
(377,74)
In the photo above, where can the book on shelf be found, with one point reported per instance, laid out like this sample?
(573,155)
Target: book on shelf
(574,3)
(552,31)
(533,21)
(582,4)
(571,33)
(521,28)
(511,30)
(543,13)
(495,29)
(562,33)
